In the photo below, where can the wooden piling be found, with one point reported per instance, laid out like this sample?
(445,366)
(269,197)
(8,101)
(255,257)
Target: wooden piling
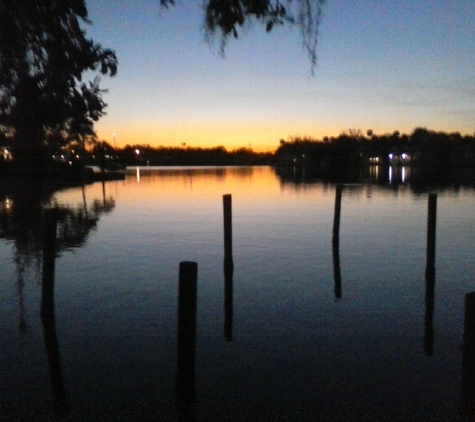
(228,227)
(336,217)
(431,231)
(336,244)
(430,275)
(186,336)
(228,267)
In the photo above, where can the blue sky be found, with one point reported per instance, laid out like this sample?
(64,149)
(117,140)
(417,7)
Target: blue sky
(383,65)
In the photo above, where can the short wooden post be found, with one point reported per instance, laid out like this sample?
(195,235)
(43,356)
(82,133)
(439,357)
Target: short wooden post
(185,378)
(336,217)
(468,360)
(48,314)
(431,231)
(228,227)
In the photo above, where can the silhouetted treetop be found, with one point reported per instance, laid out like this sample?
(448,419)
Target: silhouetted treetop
(227,18)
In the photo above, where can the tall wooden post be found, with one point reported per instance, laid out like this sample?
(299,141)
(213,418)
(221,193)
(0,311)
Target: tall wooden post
(336,243)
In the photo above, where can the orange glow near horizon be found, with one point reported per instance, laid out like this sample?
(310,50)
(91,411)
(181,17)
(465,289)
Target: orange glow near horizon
(261,137)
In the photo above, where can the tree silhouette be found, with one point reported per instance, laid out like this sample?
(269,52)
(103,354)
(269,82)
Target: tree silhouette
(227,18)
(43,55)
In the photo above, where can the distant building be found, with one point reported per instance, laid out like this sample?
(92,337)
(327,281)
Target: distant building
(399,158)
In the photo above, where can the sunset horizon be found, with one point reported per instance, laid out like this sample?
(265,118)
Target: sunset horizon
(387,67)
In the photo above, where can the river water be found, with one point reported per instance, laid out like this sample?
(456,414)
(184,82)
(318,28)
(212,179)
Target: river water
(302,329)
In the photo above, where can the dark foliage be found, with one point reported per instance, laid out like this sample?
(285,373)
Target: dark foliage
(43,55)
(422,146)
(227,18)
(103,154)
(436,159)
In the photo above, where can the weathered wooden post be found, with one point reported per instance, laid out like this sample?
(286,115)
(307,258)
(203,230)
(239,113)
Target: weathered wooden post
(228,227)
(336,216)
(336,243)
(468,360)
(430,274)
(48,315)
(431,229)
(185,377)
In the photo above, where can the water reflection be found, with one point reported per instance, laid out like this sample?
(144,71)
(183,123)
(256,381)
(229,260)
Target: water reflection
(419,179)
(278,349)
(39,230)
(398,175)
(60,404)
(22,219)
(228,300)
(151,173)
(185,375)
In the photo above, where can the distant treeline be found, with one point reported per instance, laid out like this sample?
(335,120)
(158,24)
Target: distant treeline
(146,155)
(352,148)
(422,147)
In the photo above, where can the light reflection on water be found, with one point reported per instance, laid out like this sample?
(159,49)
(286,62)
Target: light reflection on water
(296,353)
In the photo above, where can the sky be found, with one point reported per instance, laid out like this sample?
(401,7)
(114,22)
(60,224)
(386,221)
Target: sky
(383,65)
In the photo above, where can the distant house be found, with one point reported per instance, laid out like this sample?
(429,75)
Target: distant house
(394,158)
(399,158)
(374,160)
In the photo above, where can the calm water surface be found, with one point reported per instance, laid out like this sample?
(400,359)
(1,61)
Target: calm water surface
(301,342)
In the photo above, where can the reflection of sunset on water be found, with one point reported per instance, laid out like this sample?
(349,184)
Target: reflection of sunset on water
(298,281)
(189,188)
